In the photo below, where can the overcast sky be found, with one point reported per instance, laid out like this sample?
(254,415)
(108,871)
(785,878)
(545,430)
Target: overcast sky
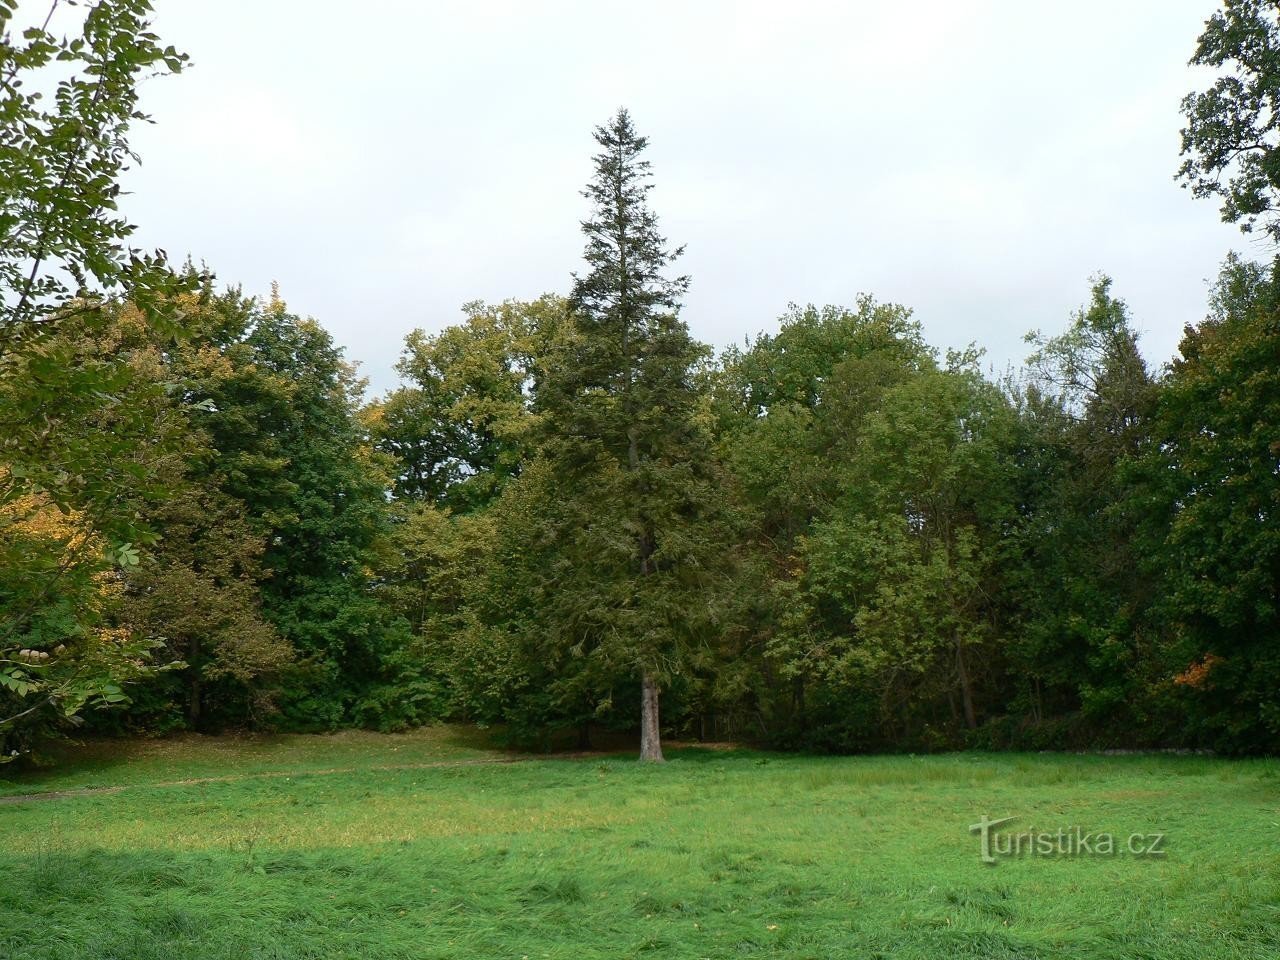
(387,162)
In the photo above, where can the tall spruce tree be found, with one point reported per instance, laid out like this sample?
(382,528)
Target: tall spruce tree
(623,428)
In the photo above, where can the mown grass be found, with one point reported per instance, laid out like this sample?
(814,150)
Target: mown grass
(715,854)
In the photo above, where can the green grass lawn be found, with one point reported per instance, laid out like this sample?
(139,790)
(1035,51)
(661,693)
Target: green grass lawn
(368,846)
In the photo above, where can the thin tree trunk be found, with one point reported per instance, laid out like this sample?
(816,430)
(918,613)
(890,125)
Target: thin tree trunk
(798,703)
(650,737)
(193,708)
(966,690)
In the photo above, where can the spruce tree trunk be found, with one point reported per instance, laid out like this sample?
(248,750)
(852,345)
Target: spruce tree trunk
(650,739)
(650,731)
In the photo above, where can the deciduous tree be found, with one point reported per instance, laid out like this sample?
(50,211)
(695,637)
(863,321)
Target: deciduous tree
(1231,140)
(73,433)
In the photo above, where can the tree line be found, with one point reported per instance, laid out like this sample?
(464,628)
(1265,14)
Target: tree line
(571,516)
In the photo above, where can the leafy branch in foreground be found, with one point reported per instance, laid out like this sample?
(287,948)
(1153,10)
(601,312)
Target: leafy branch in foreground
(76,436)
(1231,140)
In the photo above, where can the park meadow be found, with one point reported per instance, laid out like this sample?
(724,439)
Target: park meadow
(586,638)
(437,844)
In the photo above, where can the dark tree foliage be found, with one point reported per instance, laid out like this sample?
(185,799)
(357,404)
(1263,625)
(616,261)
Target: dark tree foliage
(630,363)
(285,442)
(791,408)
(620,408)
(194,590)
(1231,140)
(1080,585)
(1213,484)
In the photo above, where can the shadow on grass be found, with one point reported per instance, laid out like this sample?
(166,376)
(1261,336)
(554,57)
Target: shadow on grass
(403,900)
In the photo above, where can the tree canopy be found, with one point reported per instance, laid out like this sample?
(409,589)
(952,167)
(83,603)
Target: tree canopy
(571,517)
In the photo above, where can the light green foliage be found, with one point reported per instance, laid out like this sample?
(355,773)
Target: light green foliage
(199,591)
(451,562)
(433,570)
(461,427)
(61,156)
(717,854)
